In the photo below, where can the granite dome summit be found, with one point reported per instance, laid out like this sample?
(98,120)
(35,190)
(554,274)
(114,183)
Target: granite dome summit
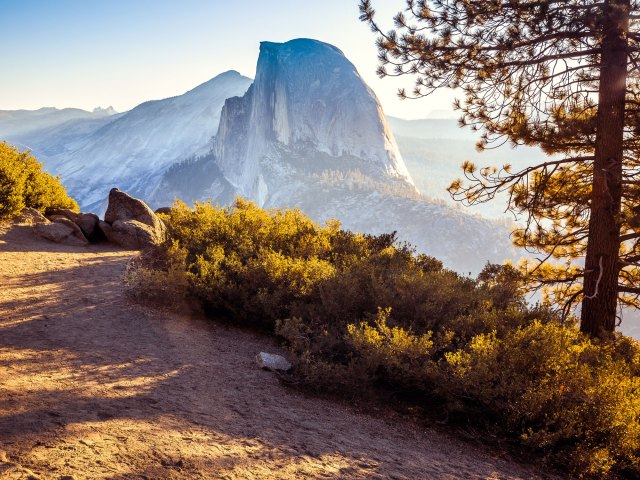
(307,96)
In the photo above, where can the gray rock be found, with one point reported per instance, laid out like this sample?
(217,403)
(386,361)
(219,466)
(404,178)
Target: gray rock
(133,234)
(270,361)
(77,231)
(125,207)
(132,224)
(61,232)
(163,210)
(31,216)
(88,223)
(62,212)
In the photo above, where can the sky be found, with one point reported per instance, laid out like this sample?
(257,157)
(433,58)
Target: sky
(120,53)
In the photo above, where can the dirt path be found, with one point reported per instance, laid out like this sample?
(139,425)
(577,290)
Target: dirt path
(94,387)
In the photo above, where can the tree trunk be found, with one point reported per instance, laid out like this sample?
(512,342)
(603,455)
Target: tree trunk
(602,267)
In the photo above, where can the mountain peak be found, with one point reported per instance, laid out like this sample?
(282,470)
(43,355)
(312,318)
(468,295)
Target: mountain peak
(228,73)
(308,99)
(305,54)
(105,111)
(299,44)
(230,77)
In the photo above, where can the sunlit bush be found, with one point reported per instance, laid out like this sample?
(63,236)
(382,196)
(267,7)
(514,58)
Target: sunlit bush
(362,313)
(24,184)
(555,389)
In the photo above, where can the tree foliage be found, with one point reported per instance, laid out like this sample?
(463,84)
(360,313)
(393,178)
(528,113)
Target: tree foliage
(562,75)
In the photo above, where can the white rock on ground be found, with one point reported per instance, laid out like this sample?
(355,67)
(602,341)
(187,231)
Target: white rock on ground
(270,361)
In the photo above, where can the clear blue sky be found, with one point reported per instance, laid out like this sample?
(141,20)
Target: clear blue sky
(88,53)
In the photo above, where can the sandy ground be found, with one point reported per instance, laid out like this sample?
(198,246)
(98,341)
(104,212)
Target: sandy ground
(92,387)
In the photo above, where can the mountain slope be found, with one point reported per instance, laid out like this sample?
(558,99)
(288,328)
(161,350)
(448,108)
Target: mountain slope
(60,139)
(130,150)
(133,151)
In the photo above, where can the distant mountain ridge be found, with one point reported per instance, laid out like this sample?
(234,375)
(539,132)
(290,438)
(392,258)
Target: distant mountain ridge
(16,123)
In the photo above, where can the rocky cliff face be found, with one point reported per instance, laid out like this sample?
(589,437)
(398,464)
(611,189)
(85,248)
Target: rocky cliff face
(307,101)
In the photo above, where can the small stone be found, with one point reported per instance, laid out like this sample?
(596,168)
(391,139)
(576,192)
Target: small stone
(270,361)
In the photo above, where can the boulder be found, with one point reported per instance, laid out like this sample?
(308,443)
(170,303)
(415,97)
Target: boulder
(131,223)
(88,223)
(163,210)
(270,361)
(77,231)
(132,234)
(125,207)
(62,212)
(63,231)
(31,216)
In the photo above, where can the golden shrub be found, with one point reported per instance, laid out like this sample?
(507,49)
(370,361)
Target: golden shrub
(24,184)
(362,313)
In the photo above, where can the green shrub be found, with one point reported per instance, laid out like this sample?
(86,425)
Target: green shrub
(24,184)
(362,313)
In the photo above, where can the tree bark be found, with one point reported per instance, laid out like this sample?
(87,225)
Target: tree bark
(602,267)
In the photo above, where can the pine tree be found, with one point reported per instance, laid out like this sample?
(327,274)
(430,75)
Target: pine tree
(562,75)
